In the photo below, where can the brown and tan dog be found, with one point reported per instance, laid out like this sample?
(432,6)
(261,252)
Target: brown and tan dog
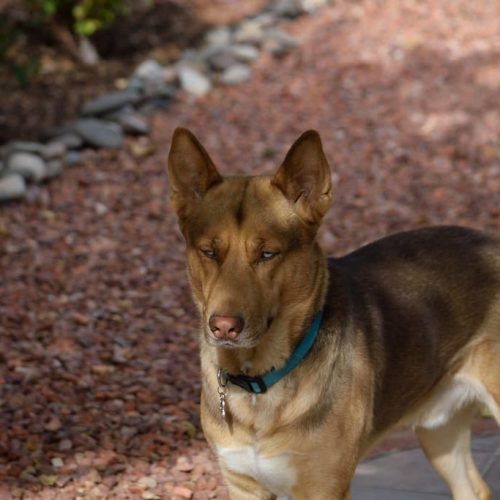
(409,332)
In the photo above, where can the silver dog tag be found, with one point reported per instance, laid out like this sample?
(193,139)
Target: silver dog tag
(222,390)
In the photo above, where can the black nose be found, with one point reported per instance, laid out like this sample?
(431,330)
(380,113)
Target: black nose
(226,327)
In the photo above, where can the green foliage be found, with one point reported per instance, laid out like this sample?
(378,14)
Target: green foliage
(44,17)
(92,15)
(83,17)
(9,35)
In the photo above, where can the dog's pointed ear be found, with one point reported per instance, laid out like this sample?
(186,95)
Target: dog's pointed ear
(304,178)
(191,171)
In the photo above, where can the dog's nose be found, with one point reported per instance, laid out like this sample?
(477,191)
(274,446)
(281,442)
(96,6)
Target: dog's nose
(226,327)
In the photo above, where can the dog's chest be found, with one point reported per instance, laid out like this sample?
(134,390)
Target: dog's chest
(275,473)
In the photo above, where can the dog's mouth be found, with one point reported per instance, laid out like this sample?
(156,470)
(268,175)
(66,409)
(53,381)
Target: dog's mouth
(226,344)
(245,340)
(238,343)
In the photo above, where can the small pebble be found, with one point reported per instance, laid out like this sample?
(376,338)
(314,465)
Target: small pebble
(147,482)
(57,462)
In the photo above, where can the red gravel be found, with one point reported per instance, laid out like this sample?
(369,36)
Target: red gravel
(98,352)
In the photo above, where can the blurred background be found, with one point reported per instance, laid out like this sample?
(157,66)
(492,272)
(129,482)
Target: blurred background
(99,379)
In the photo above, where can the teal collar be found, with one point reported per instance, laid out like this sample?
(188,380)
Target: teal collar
(259,385)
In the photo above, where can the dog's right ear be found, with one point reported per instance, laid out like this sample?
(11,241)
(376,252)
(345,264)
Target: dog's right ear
(191,171)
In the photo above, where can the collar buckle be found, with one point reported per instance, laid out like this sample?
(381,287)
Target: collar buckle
(255,385)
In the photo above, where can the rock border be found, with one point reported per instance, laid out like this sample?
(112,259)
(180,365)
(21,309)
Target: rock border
(225,58)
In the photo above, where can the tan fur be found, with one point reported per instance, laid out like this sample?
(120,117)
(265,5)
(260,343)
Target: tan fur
(410,332)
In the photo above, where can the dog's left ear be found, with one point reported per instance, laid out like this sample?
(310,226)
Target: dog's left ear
(304,178)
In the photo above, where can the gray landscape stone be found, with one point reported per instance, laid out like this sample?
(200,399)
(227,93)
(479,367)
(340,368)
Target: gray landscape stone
(110,102)
(12,187)
(99,133)
(54,149)
(149,70)
(28,165)
(151,105)
(265,20)
(70,140)
(278,42)
(250,32)
(134,123)
(159,89)
(24,146)
(193,81)
(135,83)
(288,8)
(192,58)
(220,36)
(87,52)
(236,74)
(221,59)
(244,52)
(311,6)
(54,168)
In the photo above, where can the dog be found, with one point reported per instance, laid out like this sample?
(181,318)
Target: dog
(306,361)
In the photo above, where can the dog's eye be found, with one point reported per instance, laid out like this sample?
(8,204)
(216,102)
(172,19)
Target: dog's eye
(266,255)
(208,253)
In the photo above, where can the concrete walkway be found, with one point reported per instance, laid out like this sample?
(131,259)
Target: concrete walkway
(407,475)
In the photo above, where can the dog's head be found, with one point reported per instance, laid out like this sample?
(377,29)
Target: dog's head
(250,240)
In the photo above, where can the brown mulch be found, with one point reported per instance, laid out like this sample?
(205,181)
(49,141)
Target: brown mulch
(98,351)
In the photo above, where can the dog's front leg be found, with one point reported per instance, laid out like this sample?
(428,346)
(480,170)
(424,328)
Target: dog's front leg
(321,486)
(242,487)
(323,494)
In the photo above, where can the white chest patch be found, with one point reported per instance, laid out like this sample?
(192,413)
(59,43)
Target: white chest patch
(274,473)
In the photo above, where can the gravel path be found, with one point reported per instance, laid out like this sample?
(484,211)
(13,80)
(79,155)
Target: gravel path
(98,353)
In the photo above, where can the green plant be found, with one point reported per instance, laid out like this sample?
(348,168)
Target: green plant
(23,69)
(63,21)
(82,17)
(92,15)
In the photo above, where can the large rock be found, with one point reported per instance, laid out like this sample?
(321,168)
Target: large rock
(99,133)
(110,102)
(28,165)
(236,74)
(12,187)
(193,81)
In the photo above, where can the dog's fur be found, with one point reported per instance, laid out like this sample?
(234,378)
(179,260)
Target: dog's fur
(410,332)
